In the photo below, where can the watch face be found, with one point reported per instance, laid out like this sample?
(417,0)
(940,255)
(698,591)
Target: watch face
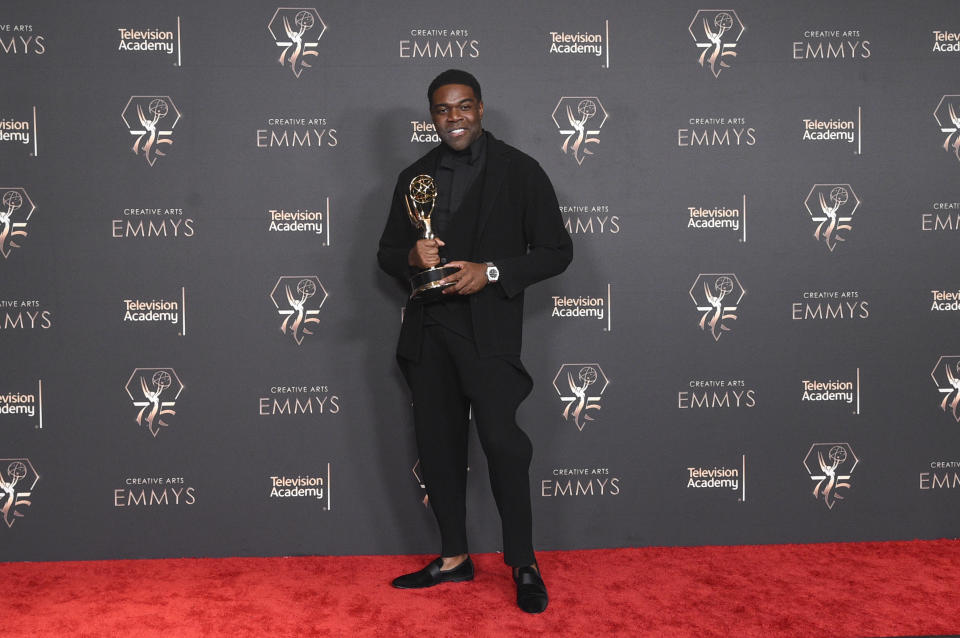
(493,273)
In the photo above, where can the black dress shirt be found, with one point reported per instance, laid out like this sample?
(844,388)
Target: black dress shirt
(454,220)
(456,173)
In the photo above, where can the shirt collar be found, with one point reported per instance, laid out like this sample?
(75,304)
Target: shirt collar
(472,153)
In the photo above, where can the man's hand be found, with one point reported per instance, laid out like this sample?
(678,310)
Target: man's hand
(425,253)
(471,278)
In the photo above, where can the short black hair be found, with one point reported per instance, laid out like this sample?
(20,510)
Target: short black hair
(454,76)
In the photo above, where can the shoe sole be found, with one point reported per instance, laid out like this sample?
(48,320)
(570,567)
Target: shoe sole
(455,579)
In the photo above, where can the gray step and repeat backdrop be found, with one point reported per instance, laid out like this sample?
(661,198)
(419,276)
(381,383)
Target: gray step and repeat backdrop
(756,341)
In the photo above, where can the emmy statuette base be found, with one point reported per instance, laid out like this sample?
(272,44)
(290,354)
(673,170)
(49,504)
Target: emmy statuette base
(426,285)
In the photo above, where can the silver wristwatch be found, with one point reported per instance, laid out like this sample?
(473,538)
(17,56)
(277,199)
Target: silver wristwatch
(493,273)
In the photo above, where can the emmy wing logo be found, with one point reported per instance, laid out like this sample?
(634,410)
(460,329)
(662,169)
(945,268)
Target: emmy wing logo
(155,391)
(947,115)
(297,31)
(946,374)
(580,386)
(418,475)
(832,207)
(298,300)
(717,296)
(14,215)
(830,466)
(709,29)
(17,480)
(572,115)
(151,120)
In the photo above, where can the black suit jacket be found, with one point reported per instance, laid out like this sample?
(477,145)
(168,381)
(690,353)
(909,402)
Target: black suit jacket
(519,229)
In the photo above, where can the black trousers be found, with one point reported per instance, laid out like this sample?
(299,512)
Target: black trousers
(446,382)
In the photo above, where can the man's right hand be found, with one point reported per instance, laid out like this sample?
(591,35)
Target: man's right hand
(425,253)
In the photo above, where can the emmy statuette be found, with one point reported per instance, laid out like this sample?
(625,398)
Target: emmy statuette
(420,201)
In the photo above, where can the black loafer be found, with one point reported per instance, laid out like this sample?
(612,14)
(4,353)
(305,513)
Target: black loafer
(432,575)
(531,592)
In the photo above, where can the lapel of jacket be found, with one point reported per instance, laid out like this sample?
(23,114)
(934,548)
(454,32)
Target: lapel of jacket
(496,171)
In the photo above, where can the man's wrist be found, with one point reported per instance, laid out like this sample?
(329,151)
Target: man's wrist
(492,272)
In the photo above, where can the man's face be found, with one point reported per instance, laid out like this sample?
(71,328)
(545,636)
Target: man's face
(456,113)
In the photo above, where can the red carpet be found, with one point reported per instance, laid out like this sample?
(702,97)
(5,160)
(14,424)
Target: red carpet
(831,590)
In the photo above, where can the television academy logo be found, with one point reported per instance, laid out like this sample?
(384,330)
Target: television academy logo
(15,213)
(147,389)
(945,300)
(150,40)
(18,478)
(298,32)
(423,132)
(719,477)
(572,382)
(832,391)
(589,42)
(835,129)
(708,218)
(290,296)
(946,374)
(585,306)
(577,112)
(314,486)
(709,292)
(151,119)
(156,311)
(708,28)
(831,465)
(21,404)
(17,130)
(832,207)
(945,41)
(312,220)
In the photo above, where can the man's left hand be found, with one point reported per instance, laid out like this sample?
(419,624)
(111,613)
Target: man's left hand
(471,278)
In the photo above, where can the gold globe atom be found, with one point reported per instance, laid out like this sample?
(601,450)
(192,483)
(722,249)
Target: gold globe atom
(837,454)
(304,20)
(12,199)
(17,470)
(423,189)
(839,195)
(588,375)
(158,106)
(307,288)
(723,20)
(161,379)
(724,284)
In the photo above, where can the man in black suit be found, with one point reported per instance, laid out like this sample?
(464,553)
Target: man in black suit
(498,222)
